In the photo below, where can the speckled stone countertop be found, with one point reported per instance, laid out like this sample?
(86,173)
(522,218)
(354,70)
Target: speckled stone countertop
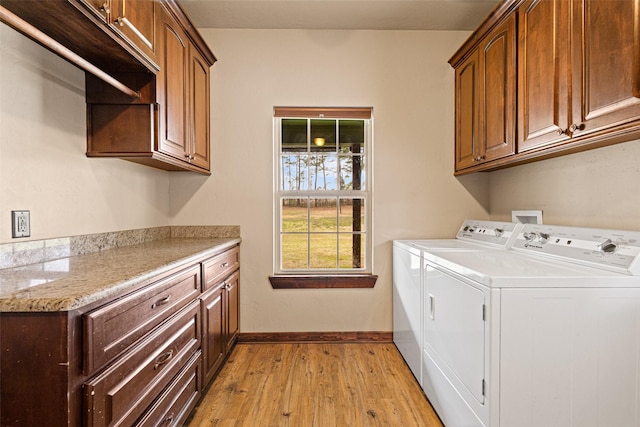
(72,282)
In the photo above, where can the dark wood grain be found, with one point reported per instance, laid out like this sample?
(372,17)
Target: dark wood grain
(279,337)
(319,282)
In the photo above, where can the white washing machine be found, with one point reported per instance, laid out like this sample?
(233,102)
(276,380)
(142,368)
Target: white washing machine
(408,273)
(546,333)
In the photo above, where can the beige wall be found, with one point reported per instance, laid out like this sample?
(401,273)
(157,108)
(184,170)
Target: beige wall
(597,188)
(405,77)
(43,167)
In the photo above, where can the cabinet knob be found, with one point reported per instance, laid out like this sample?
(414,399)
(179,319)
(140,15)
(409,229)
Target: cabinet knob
(479,158)
(224,264)
(576,126)
(562,131)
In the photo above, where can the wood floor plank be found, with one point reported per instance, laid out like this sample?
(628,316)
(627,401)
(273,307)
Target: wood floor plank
(308,385)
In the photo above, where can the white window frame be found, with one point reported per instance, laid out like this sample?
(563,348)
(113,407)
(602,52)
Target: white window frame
(366,195)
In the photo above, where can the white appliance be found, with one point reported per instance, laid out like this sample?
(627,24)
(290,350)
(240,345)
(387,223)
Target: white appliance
(546,333)
(408,273)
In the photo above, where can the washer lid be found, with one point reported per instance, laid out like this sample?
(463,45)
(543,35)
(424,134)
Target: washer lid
(512,269)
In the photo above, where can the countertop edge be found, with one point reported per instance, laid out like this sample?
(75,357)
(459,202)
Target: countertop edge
(115,287)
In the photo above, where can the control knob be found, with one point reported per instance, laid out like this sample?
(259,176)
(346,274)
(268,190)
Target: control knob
(543,237)
(608,246)
(499,232)
(529,237)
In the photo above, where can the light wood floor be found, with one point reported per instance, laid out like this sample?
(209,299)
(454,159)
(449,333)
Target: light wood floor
(323,385)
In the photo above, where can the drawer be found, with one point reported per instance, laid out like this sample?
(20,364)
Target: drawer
(220,266)
(177,402)
(124,391)
(110,330)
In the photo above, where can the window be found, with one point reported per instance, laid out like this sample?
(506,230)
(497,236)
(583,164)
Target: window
(323,191)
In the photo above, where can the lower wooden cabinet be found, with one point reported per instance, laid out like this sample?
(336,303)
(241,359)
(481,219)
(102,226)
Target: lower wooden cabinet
(220,313)
(142,357)
(121,394)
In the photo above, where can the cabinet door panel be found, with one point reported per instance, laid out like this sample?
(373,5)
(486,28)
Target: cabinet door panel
(213,343)
(172,91)
(467,107)
(499,88)
(606,64)
(136,20)
(232,309)
(199,108)
(543,74)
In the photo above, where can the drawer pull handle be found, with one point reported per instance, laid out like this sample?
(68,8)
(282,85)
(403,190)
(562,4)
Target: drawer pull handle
(432,307)
(160,302)
(224,264)
(162,359)
(167,421)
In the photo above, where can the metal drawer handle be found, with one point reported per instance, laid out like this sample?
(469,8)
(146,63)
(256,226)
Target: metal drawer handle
(432,307)
(162,359)
(167,421)
(160,302)
(224,264)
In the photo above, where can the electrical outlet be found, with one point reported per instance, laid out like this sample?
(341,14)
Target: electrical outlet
(20,224)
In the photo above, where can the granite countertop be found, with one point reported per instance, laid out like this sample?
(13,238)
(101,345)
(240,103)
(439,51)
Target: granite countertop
(73,282)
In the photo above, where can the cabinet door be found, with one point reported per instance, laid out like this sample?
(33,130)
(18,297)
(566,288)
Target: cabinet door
(213,342)
(172,90)
(198,109)
(543,74)
(136,20)
(467,109)
(606,64)
(498,89)
(232,309)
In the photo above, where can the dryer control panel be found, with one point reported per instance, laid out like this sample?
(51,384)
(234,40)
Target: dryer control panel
(613,250)
(496,233)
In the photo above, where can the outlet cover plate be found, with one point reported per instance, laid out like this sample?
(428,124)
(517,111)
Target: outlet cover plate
(20,224)
(527,217)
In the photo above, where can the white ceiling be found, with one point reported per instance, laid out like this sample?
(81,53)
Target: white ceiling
(339,14)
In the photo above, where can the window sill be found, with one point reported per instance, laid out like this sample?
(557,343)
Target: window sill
(323,282)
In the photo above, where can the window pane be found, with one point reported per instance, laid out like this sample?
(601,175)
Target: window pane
(295,172)
(351,136)
(294,216)
(323,251)
(351,250)
(351,215)
(352,173)
(323,172)
(294,135)
(323,136)
(323,215)
(295,251)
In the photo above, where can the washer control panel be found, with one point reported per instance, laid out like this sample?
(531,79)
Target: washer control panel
(614,250)
(496,233)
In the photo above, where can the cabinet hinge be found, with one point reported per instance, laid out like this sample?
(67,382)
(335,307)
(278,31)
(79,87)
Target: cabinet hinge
(483,386)
(484,312)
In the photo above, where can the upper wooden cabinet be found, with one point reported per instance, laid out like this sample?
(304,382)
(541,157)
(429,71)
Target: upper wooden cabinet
(89,29)
(157,111)
(168,126)
(543,73)
(485,98)
(578,81)
(605,65)
(134,20)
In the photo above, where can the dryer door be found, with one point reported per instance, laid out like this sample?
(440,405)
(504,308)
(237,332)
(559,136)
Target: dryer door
(454,330)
